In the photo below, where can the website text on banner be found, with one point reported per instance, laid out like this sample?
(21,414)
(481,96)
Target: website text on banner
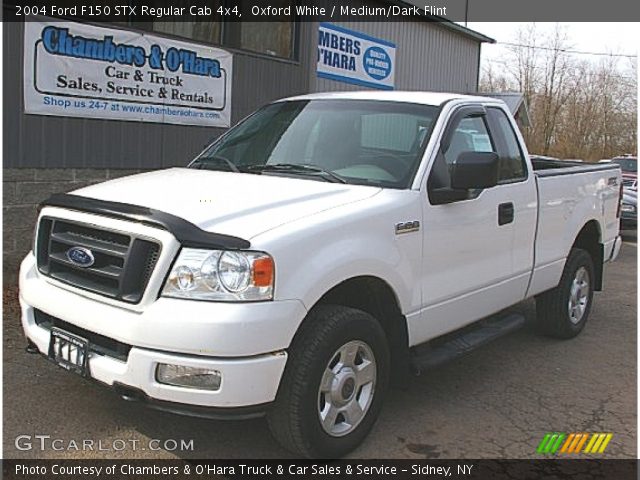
(77,70)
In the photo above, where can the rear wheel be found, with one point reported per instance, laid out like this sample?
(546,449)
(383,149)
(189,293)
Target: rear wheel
(331,392)
(563,311)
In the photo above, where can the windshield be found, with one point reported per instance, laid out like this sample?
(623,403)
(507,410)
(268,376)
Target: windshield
(627,165)
(352,141)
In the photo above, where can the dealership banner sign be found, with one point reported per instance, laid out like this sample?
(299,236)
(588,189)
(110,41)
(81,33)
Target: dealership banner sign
(77,70)
(353,57)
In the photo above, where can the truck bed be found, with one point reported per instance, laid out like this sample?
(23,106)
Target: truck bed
(544,167)
(570,194)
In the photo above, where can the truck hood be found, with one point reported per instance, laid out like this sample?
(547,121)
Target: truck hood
(239,204)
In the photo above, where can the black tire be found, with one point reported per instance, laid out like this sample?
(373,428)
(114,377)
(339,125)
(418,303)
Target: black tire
(294,419)
(552,307)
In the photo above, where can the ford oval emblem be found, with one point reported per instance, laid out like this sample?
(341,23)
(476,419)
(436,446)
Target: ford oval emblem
(80,256)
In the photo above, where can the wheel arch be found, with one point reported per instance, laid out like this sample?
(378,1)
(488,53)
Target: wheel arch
(375,296)
(590,239)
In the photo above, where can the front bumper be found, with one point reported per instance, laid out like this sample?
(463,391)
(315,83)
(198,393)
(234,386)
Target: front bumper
(245,342)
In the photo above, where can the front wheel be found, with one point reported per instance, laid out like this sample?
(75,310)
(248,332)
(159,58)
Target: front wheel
(563,311)
(332,388)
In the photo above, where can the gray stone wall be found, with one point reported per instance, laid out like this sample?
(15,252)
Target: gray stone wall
(22,190)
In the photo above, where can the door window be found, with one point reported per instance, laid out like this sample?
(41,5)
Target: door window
(512,166)
(470,135)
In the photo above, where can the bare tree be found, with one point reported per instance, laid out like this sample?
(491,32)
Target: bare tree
(554,83)
(579,108)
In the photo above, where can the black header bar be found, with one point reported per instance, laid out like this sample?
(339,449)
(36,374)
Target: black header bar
(329,10)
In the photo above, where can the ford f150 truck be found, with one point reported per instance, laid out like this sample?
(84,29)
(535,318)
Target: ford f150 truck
(314,254)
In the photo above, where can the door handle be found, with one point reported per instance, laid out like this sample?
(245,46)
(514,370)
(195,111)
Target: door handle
(505,213)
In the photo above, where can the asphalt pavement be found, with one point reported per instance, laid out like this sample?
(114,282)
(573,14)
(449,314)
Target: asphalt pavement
(497,402)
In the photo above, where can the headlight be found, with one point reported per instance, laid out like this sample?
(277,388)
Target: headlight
(221,275)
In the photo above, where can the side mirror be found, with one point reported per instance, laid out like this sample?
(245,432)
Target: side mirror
(472,171)
(475,170)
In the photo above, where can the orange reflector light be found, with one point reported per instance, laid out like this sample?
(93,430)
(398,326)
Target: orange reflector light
(263,272)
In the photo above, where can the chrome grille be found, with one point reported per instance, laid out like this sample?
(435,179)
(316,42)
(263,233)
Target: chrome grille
(122,263)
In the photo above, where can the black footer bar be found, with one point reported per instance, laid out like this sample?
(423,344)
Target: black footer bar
(547,469)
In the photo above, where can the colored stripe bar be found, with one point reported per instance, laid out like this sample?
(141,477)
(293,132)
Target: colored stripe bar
(574,444)
(582,442)
(593,439)
(542,448)
(550,443)
(567,443)
(598,443)
(557,443)
(599,440)
(605,442)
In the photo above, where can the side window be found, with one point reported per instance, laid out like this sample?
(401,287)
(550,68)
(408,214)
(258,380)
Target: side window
(471,135)
(512,165)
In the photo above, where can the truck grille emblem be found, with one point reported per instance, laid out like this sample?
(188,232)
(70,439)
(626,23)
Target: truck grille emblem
(80,256)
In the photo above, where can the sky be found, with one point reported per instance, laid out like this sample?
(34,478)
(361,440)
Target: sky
(618,37)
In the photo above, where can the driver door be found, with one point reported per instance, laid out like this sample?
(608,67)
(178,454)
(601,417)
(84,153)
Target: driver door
(467,270)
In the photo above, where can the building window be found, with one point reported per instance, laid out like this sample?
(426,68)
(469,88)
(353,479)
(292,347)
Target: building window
(275,39)
(200,28)
(268,38)
(208,32)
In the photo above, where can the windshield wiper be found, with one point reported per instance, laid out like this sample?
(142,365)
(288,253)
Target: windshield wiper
(205,163)
(298,168)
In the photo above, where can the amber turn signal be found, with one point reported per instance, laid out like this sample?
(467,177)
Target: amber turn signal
(263,272)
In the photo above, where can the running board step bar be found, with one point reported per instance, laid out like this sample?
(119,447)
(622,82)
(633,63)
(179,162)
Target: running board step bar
(456,344)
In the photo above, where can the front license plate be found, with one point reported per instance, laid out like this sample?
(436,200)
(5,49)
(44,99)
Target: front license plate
(69,351)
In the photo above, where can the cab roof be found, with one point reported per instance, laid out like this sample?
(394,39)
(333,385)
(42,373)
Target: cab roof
(425,98)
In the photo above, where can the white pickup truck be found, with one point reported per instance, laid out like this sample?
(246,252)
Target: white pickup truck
(315,253)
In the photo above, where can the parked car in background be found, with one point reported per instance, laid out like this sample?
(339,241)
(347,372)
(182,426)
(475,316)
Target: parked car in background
(630,182)
(628,164)
(629,209)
